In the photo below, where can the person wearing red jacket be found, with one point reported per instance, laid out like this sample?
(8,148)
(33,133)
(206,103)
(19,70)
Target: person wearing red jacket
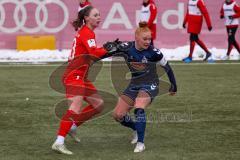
(149,15)
(75,78)
(231,12)
(83,3)
(194,18)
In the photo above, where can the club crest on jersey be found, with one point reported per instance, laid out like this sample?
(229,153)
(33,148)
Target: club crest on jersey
(91,43)
(144,60)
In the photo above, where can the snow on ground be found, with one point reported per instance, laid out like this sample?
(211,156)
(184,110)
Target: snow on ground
(38,56)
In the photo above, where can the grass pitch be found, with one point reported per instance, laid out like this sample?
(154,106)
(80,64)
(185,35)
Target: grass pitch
(201,123)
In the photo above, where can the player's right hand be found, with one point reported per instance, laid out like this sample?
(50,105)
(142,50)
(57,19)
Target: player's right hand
(230,17)
(210,28)
(184,25)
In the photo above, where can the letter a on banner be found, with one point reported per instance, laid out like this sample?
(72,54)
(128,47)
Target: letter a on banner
(117,7)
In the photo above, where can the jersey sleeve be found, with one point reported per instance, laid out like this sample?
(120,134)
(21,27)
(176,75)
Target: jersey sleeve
(201,5)
(186,18)
(237,11)
(91,46)
(159,57)
(222,12)
(153,14)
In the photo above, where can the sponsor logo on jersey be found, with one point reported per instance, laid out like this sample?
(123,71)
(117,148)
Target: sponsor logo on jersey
(91,43)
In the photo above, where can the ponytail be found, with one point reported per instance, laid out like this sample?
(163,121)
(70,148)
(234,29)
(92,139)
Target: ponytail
(142,27)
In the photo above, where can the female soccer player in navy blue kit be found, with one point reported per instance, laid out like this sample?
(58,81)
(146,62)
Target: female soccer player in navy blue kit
(142,60)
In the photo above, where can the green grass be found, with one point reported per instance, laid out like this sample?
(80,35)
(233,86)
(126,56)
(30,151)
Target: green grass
(201,123)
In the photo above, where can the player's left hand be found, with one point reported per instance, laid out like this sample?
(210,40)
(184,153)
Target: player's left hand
(110,47)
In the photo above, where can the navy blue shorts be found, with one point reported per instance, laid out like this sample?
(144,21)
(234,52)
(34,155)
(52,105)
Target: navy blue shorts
(133,89)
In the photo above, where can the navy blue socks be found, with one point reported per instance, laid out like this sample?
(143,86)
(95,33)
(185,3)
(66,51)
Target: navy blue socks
(128,122)
(140,123)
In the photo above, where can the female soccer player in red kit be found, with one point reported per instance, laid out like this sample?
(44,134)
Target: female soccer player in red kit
(231,12)
(194,18)
(149,15)
(78,87)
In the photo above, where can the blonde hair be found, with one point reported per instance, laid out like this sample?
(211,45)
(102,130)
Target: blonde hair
(142,27)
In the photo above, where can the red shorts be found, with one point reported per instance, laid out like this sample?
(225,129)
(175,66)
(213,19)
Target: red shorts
(80,88)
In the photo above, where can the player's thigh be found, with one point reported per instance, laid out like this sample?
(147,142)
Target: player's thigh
(123,106)
(95,100)
(75,103)
(143,99)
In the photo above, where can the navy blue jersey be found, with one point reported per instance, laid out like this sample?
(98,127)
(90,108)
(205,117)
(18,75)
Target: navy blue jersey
(142,64)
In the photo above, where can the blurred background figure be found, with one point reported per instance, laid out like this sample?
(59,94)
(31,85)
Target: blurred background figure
(231,12)
(194,18)
(149,15)
(83,3)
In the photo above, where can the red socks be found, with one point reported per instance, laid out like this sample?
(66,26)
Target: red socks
(66,123)
(192,45)
(86,114)
(202,45)
(230,47)
(70,117)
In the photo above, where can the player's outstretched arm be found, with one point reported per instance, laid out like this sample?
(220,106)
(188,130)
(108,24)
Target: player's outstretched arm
(111,48)
(116,48)
(171,77)
(160,59)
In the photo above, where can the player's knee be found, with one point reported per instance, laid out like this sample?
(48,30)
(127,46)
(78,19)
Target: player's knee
(142,102)
(99,106)
(231,39)
(117,116)
(75,108)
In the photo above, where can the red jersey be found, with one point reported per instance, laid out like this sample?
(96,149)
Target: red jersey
(230,9)
(194,16)
(84,46)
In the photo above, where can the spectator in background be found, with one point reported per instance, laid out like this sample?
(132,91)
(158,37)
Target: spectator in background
(83,3)
(231,11)
(194,18)
(149,15)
